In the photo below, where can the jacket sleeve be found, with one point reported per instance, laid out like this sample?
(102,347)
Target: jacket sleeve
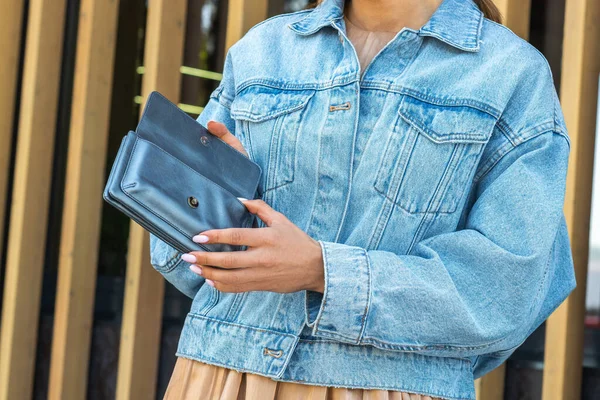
(473,291)
(164,258)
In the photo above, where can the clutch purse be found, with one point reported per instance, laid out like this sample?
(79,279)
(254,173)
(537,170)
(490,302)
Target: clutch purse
(175,179)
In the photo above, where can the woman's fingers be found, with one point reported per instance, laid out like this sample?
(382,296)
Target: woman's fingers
(225,259)
(264,211)
(238,236)
(220,130)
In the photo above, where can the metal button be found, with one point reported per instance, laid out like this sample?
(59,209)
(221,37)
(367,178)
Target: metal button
(344,106)
(204,140)
(272,353)
(193,202)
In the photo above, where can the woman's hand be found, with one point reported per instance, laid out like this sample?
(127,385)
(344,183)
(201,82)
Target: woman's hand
(220,130)
(280,258)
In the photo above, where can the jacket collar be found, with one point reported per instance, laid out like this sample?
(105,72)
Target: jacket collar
(455,22)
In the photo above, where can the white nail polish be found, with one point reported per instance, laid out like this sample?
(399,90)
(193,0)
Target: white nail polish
(189,258)
(242,199)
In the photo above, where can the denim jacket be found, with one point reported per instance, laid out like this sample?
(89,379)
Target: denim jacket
(434,181)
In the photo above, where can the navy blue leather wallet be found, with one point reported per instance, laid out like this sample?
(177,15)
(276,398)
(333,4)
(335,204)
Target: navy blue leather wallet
(176,180)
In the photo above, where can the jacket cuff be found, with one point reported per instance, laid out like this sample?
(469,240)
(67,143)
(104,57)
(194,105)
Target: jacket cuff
(340,312)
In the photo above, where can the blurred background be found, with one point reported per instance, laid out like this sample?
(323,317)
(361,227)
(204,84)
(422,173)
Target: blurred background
(83,314)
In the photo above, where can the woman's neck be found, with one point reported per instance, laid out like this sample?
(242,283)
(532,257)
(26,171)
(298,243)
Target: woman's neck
(390,15)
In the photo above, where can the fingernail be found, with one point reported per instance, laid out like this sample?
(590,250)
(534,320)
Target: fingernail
(200,238)
(188,258)
(211,283)
(242,199)
(196,269)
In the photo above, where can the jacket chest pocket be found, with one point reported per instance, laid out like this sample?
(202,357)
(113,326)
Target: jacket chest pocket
(431,154)
(268,123)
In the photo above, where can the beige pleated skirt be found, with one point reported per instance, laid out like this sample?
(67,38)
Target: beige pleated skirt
(199,381)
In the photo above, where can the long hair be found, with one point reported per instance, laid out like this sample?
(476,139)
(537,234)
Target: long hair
(487,7)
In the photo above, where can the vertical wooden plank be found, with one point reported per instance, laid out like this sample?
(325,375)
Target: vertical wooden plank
(29,214)
(90,116)
(579,94)
(515,15)
(491,386)
(11,19)
(243,15)
(142,314)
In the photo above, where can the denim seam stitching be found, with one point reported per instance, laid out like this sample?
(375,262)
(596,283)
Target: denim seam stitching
(245,131)
(501,152)
(395,181)
(384,345)
(451,170)
(316,330)
(383,218)
(194,315)
(315,197)
(505,129)
(241,114)
(366,84)
(461,191)
(428,213)
(454,137)
(467,102)
(536,130)
(450,42)
(351,173)
(367,306)
(493,159)
(444,183)
(175,261)
(282,85)
(211,302)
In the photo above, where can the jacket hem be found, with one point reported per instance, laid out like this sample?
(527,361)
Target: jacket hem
(284,357)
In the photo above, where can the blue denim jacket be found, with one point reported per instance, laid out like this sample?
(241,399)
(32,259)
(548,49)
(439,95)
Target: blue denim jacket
(434,181)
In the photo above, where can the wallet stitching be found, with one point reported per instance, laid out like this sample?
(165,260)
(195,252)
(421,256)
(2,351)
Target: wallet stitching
(150,210)
(235,151)
(172,263)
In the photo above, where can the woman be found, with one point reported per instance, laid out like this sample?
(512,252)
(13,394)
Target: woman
(411,232)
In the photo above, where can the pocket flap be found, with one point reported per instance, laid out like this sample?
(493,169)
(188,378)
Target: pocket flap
(180,197)
(258,103)
(447,123)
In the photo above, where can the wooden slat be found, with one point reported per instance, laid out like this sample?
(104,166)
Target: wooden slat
(243,15)
(515,15)
(579,94)
(491,386)
(11,19)
(90,116)
(142,313)
(29,214)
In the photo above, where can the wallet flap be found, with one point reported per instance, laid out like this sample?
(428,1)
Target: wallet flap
(196,147)
(171,191)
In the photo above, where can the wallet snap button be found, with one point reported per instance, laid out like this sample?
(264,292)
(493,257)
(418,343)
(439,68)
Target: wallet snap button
(204,140)
(193,202)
